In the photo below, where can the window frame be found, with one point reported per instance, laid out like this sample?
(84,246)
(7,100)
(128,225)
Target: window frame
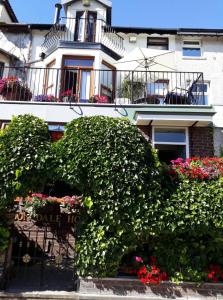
(79,70)
(186,143)
(191,45)
(206,94)
(156,43)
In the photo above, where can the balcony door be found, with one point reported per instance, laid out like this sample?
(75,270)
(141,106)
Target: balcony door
(77,79)
(85,29)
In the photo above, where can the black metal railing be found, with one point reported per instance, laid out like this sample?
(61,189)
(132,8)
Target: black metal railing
(102,86)
(83,30)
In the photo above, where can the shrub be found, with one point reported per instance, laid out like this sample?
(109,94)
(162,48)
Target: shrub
(116,170)
(187,236)
(25,155)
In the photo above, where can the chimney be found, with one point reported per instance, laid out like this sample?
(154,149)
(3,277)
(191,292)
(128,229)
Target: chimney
(58,7)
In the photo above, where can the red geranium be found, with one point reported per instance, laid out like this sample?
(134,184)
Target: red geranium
(148,274)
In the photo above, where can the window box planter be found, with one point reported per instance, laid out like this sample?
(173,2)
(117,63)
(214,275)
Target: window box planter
(134,288)
(12,89)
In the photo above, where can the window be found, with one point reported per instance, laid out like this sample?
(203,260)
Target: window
(159,89)
(171,143)
(56,132)
(77,77)
(158,43)
(192,48)
(81,62)
(1,69)
(50,79)
(85,29)
(107,78)
(201,92)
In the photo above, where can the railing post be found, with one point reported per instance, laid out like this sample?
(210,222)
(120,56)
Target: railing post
(132,80)
(57,81)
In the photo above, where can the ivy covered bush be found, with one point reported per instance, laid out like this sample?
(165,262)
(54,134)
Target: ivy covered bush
(116,170)
(188,236)
(25,155)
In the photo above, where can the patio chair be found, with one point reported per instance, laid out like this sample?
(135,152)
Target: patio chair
(184,97)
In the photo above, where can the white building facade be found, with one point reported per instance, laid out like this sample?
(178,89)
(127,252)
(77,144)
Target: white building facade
(168,82)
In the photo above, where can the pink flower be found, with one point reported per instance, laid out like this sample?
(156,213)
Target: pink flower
(139,259)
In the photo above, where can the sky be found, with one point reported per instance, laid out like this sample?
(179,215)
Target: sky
(137,13)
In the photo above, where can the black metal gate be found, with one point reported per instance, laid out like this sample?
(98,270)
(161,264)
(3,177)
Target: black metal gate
(42,256)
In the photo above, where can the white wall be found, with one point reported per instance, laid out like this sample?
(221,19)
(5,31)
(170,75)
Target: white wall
(4,17)
(38,38)
(95,6)
(17,45)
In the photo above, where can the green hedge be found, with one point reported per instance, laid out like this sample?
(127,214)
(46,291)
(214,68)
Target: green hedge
(25,157)
(130,200)
(116,170)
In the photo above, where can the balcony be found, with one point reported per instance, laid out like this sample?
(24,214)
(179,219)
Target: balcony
(86,31)
(107,87)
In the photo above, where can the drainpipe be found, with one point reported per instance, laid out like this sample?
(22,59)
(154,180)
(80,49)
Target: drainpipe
(58,7)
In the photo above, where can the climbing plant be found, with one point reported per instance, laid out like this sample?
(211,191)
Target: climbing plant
(116,169)
(25,155)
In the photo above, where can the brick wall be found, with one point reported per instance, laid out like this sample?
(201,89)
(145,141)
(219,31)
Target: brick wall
(201,141)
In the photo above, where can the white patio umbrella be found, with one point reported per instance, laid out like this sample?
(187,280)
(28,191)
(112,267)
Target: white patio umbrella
(144,59)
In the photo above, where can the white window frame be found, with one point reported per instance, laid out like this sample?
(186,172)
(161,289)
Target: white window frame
(192,46)
(206,94)
(156,44)
(186,143)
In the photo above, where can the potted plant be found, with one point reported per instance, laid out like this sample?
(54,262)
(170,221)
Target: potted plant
(99,99)
(41,204)
(132,88)
(70,205)
(68,96)
(11,88)
(45,98)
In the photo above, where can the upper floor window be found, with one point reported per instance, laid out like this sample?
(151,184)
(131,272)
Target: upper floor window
(85,29)
(158,43)
(1,69)
(192,48)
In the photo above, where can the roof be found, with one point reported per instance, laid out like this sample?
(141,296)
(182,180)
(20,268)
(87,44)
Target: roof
(10,11)
(170,31)
(19,27)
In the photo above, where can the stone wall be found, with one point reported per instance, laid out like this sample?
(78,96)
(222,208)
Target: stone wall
(218,141)
(134,288)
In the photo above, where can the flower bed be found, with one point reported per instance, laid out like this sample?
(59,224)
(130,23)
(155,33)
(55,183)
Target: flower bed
(42,204)
(195,168)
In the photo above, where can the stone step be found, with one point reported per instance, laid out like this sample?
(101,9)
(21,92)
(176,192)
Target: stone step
(73,296)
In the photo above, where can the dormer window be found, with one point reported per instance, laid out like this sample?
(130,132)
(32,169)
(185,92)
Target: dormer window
(158,43)
(85,29)
(192,48)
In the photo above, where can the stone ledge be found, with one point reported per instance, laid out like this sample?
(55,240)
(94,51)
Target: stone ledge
(134,288)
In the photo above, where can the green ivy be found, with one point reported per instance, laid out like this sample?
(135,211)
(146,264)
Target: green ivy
(25,156)
(116,169)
